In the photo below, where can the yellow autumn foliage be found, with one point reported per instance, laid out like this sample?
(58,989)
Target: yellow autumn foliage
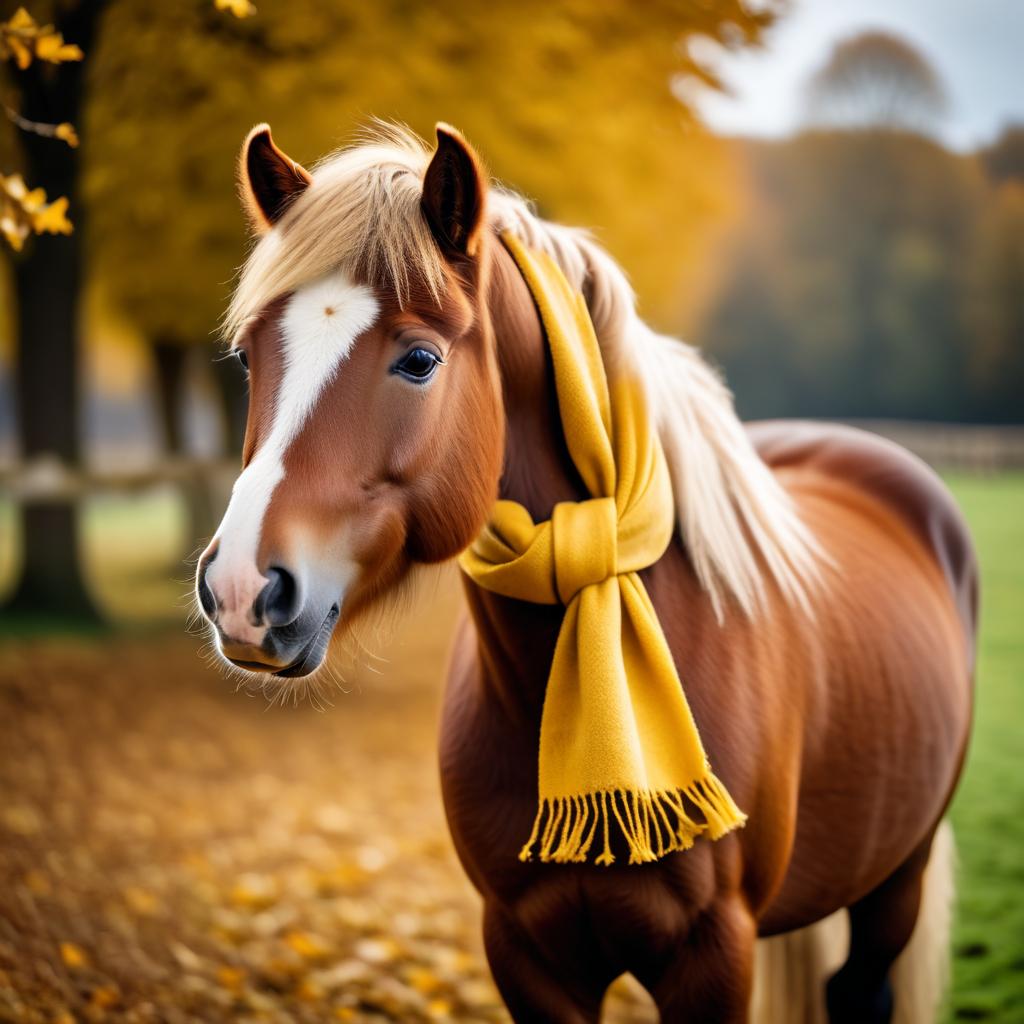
(22,39)
(65,131)
(239,8)
(24,211)
(574,104)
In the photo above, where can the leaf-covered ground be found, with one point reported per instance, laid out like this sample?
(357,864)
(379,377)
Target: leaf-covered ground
(171,850)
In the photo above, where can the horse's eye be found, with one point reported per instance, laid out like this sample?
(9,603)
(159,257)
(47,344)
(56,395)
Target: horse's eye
(242,358)
(417,364)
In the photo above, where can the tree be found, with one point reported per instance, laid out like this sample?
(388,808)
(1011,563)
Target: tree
(1004,158)
(48,278)
(46,69)
(996,306)
(876,80)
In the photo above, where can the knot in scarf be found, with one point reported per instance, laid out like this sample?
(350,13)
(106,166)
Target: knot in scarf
(618,744)
(585,544)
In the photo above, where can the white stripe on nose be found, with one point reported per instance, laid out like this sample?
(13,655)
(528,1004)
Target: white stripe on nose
(319,326)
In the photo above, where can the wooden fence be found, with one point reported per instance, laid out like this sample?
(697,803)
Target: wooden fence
(964,448)
(48,479)
(955,446)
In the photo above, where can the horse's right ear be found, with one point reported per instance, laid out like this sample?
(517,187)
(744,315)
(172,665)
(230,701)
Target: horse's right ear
(268,180)
(453,193)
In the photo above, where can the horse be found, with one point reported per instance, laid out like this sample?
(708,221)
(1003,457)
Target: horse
(819,595)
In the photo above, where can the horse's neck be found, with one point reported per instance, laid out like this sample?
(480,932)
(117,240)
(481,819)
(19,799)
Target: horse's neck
(538,470)
(516,639)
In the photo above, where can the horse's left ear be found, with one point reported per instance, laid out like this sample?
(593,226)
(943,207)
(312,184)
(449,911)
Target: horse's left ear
(268,179)
(454,189)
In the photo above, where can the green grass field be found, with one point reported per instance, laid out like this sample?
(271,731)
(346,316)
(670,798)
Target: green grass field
(988,814)
(132,547)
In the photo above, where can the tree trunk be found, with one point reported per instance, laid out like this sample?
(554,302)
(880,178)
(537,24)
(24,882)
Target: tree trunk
(172,372)
(171,379)
(48,278)
(235,398)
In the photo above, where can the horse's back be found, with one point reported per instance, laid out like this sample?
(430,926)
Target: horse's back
(890,475)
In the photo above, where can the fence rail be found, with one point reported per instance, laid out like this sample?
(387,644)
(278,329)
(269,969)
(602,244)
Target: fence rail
(967,448)
(47,478)
(955,446)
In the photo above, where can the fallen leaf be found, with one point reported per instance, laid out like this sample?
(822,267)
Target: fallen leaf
(37,883)
(72,955)
(104,996)
(254,892)
(423,980)
(21,818)
(377,951)
(231,978)
(308,947)
(140,900)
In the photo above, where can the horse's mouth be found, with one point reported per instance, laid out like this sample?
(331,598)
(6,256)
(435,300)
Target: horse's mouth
(308,659)
(311,656)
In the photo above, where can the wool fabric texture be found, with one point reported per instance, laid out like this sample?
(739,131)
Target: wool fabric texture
(619,749)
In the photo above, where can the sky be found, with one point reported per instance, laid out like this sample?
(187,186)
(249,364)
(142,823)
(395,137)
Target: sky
(977,46)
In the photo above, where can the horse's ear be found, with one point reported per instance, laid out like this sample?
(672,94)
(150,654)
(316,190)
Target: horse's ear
(268,179)
(454,188)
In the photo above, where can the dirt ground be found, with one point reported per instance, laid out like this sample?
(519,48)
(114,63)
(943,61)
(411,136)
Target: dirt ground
(173,850)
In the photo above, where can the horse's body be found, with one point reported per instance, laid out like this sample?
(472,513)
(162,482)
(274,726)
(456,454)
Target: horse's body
(841,737)
(840,733)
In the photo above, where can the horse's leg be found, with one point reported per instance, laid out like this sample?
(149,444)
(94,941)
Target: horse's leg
(710,974)
(881,924)
(533,989)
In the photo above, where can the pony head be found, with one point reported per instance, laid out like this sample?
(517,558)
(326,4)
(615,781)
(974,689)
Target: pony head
(366,317)
(375,433)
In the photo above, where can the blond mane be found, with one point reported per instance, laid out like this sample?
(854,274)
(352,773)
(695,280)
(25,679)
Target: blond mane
(362,214)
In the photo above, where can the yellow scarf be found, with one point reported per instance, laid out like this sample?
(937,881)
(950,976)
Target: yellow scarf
(618,744)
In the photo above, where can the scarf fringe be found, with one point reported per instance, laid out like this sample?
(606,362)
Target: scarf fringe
(652,823)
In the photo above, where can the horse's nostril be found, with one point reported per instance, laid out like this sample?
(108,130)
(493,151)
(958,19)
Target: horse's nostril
(278,602)
(206,598)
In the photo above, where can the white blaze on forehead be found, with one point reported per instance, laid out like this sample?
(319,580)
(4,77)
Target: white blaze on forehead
(319,326)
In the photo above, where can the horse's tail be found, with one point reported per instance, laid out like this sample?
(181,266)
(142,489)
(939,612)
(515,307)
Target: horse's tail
(921,974)
(790,970)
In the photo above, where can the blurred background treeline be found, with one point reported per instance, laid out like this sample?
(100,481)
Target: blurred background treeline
(876,274)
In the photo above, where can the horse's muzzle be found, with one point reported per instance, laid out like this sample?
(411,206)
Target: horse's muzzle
(278,631)
(287,651)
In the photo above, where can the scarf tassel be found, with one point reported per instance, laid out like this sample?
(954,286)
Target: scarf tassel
(652,823)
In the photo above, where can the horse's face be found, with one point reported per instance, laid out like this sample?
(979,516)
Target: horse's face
(374,438)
